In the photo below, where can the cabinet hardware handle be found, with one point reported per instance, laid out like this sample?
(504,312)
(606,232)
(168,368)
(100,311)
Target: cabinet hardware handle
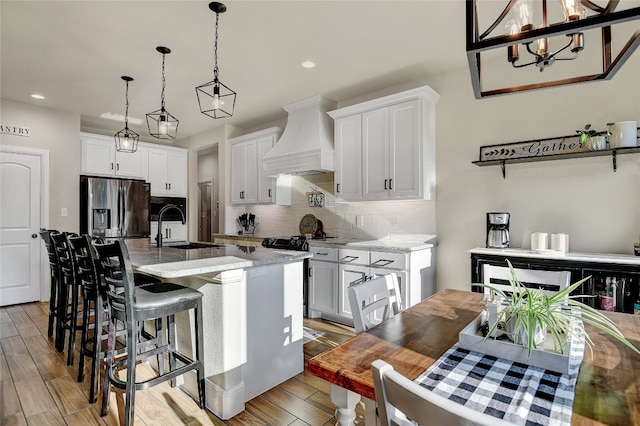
(347,259)
(390,183)
(117,166)
(382,262)
(385,184)
(111,166)
(166,185)
(322,254)
(269,192)
(338,187)
(169,229)
(169,186)
(310,272)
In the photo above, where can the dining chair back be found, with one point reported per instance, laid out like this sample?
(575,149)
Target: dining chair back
(400,399)
(549,282)
(373,301)
(152,302)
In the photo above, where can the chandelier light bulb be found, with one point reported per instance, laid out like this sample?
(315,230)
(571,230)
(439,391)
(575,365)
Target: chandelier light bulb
(217,102)
(163,125)
(524,11)
(126,142)
(573,10)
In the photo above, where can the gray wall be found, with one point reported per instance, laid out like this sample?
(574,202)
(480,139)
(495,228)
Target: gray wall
(58,132)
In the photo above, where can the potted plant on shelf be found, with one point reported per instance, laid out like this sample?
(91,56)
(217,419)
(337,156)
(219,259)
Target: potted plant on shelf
(592,139)
(527,313)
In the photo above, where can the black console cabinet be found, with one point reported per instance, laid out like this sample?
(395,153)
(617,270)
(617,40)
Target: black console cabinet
(626,274)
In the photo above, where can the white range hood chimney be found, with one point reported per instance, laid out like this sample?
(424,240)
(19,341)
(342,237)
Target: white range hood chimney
(306,145)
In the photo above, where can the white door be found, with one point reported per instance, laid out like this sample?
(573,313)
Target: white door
(158,176)
(348,174)
(375,143)
(20,245)
(405,150)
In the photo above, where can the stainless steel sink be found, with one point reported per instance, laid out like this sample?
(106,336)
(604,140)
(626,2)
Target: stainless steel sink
(190,246)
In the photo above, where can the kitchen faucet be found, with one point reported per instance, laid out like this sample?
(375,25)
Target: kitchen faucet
(162,210)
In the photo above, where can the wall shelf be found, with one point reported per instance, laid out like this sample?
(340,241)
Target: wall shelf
(613,152)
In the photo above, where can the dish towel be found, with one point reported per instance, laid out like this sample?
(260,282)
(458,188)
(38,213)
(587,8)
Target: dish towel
(516,392)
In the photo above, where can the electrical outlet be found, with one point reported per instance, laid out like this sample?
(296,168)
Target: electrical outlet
(359,220)
(63,211)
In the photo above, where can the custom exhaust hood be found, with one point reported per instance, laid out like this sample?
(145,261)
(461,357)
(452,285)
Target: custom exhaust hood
(306,145)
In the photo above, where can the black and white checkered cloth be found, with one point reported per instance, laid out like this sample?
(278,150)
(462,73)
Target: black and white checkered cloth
(518,393)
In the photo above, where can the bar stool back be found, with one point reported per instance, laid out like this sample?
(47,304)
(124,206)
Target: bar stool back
(134,305)
(54,266)
(69,293)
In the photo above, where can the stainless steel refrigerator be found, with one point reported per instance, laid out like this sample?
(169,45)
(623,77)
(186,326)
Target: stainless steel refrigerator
(114,208)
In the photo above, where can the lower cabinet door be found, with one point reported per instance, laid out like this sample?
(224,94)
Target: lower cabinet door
(323,287)
(349,274)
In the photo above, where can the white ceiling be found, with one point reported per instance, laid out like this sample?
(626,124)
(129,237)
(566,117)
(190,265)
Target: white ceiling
(74,52)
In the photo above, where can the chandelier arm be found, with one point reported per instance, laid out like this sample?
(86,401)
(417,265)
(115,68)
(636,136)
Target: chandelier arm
(524,65)
(500,18)
(563,48)
(528,46)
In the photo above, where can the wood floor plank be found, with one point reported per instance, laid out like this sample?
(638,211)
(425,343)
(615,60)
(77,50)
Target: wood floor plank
(26,327)
(67,395)
(298,388)
(245,418)
(5,374)
(48,418)
(14,346)
(38,345)
(86,417)
(7,329)
(314,381)
(14,420)
(34,396)
(269,412)
(296,406)
(10,403)
(4,316)
(22,367)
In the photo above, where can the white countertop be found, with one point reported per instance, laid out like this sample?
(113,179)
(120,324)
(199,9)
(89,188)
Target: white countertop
(401,243)
(626,259)
(169,262)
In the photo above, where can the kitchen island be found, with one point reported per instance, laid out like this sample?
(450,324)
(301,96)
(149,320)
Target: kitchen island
(252,313)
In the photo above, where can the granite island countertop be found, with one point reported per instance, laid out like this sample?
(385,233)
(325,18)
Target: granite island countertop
(170,262)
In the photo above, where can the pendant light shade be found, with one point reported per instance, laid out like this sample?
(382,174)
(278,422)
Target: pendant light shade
(126,139)
(161,123)
(216,99)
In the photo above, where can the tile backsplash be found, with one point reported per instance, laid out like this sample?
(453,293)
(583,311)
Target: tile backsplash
(365,219)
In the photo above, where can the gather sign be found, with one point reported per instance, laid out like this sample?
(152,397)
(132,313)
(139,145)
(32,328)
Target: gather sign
(533,148)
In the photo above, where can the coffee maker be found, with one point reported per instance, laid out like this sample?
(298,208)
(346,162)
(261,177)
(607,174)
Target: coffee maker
(498,230)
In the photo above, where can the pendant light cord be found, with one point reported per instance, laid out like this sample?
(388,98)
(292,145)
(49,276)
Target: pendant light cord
(163,86)
(215,52)
(126,107)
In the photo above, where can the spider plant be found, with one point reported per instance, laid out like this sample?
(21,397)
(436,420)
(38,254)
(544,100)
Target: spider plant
(530,308)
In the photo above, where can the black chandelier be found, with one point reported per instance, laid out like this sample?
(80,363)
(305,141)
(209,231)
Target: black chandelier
(522,38)
(162,125)
(126,139)
(215,99)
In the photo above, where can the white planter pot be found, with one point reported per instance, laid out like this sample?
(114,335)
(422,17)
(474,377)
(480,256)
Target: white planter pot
(521,336)
(623,134)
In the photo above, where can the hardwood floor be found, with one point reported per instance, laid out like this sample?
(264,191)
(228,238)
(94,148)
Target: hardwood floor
(38,388)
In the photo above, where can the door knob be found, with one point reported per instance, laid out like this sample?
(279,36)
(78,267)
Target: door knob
(34,235)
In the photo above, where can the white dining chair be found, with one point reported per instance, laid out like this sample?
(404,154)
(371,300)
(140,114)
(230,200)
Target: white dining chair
(549,282)
(373,301)
(399,399)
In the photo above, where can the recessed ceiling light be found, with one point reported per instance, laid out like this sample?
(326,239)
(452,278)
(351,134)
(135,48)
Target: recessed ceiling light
(37,96)
(308,64)
(120,117)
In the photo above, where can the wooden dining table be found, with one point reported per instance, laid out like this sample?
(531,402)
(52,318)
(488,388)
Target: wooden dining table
(607,390)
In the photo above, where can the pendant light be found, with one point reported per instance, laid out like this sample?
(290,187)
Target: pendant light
(126,139)
(162,125)
(215,99)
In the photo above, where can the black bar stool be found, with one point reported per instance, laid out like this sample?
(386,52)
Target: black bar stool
(69,294)
(54,266)
(133,305)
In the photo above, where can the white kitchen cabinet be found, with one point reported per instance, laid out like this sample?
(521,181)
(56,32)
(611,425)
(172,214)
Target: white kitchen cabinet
(392,153)
(244,173)
(168,171)
(171,231)
(333,270)
(99,157)
(323,281)
(249,183)
(348,158)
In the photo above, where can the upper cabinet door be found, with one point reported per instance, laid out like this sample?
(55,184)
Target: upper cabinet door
(168,171)
(266,184)
(375,146)
(348,148)
(98,156)
(251,173)
(237,173)
(405,150)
